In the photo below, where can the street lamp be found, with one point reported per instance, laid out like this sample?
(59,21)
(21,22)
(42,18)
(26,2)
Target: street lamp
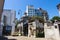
(58,7)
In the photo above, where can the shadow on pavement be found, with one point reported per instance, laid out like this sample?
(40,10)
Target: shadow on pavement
(11,39)
(5,38)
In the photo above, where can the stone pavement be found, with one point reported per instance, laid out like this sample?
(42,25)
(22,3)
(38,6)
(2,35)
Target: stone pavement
(5,38)
(21,38)
(24,38)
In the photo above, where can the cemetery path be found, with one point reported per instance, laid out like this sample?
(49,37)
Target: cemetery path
(23,38)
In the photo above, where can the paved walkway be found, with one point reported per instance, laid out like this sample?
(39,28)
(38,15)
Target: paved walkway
(24,38)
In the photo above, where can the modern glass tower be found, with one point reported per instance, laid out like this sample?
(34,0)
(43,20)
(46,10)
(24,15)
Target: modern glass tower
(38,12)
(31,11)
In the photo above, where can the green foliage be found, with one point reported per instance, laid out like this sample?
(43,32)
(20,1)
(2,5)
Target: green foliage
(40,34)
(40,18)
(16,23)
(55,18)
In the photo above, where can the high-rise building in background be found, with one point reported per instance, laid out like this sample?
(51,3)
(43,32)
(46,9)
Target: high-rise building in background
(45,15)
(31,11)
(38,12)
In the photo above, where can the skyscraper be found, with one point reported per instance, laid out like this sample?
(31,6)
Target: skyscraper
(38,12)
(31,11)
(45,15)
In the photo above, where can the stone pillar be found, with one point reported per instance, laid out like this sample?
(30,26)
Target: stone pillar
(56,31)
(22,28)
(45,29)
(29,30)
(19,32)
(29,33)
(32,30)
(13,29)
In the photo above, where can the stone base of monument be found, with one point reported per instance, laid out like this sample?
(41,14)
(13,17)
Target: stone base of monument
(52,32)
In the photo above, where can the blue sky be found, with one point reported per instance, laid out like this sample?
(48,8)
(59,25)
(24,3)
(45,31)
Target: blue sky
(48,5)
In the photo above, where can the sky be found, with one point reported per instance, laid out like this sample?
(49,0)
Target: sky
(48,5)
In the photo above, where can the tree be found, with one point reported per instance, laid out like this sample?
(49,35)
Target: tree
(55,18)
(16,23)
(40,18)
